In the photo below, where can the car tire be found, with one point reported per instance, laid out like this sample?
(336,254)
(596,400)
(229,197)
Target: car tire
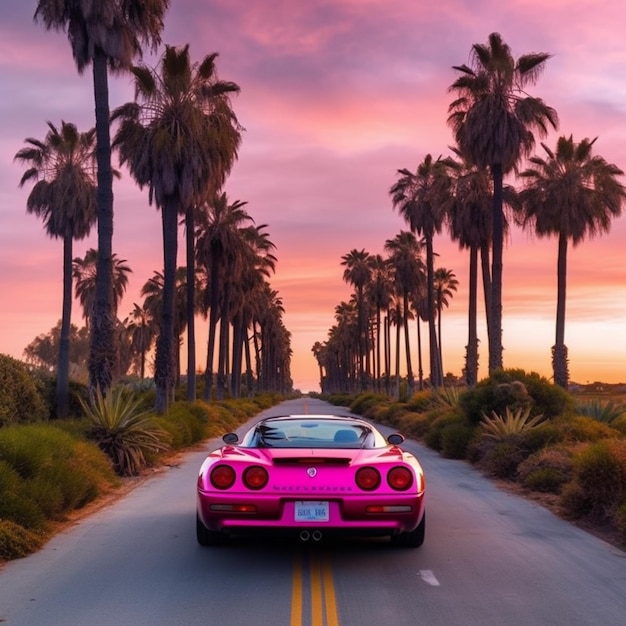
(412,539)
(207,537)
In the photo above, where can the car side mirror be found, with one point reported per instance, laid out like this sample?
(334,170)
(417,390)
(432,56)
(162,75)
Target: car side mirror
(395,439)
(230,438)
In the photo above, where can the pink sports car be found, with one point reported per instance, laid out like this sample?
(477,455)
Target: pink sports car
(311,476)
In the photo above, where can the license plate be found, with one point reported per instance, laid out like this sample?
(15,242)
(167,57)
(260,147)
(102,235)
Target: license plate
(312,511)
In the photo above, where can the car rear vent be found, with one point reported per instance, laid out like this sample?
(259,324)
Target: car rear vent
(315,460)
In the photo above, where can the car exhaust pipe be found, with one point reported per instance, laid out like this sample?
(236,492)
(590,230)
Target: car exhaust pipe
(317,535)
(305,535)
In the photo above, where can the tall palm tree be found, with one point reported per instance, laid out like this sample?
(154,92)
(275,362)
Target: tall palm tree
(64,197)
(445,284)
(405,257)
(107,33)
(141,326)
(358,273)
(179,138)
(379,295)
(421,197)
(85,272)
(218,242)
(469,222)
(493,120)
(573,194)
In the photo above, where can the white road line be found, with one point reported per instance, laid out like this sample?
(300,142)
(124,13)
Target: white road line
(428,577)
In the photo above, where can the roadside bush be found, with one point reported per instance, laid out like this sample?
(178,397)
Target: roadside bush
(547,470)
(420,402)
(440,421)
(20,400)
(17,541)
(414,425)
(578,428)
(16,503)
(516,390)
(364,401)
(599,479)
(57,472)
(455,439)
(502,458)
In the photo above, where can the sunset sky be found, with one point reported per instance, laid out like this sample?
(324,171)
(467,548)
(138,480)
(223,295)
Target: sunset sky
(336,96)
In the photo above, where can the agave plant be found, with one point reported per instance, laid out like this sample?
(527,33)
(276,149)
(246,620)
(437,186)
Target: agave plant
(512,423)
(447,397)
(602,411)
(123,431)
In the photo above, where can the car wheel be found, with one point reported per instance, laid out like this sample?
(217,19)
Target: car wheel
(412,539)
(205,536)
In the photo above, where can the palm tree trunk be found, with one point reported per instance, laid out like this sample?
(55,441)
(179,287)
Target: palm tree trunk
(495,334)
(191,297)
(435,373)
(420,364)
(63,363)
(559,360)
(164,375)
(213,317)
(486,274)
(471,360)
(102,355)
(407,343)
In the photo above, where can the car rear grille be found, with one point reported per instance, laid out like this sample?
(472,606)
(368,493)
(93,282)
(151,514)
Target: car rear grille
(315,460)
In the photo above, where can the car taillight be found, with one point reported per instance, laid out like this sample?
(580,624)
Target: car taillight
(367,478)
(400,478)
(255,477)
(222,476)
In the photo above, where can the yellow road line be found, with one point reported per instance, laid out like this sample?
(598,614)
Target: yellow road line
(329,594)
(296,593)
(323,598)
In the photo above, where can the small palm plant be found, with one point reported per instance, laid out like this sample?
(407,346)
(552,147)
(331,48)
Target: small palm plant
(605,412)
(512,423)
(123,431)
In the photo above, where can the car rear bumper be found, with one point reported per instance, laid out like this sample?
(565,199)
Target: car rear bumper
(353,515)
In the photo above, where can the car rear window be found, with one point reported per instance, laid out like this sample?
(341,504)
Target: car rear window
(311,434)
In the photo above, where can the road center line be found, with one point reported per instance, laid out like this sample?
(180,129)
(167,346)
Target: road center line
(428,577)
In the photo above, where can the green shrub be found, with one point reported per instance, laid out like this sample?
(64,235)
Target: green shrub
(455,439)
(123,431)
(17,541)
(515,389)
(619,520)
(414,425)
(16,503)
(439,422)
(579,429)
(364,401)
(420,402)
(600,472)
(20,400)
(547,470)
(501,460)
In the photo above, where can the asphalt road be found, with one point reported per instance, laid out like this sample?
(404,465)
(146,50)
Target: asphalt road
(490,559)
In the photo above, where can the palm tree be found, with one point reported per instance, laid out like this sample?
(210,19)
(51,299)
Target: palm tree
(445,284)
(572,194)
(104,33)
(493,121)
(141,326)
(85,272)
(405,258)
(358,273)
(469,222)
(64,197)
(217,244)
(421,198)
(379,295)
(180,138)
